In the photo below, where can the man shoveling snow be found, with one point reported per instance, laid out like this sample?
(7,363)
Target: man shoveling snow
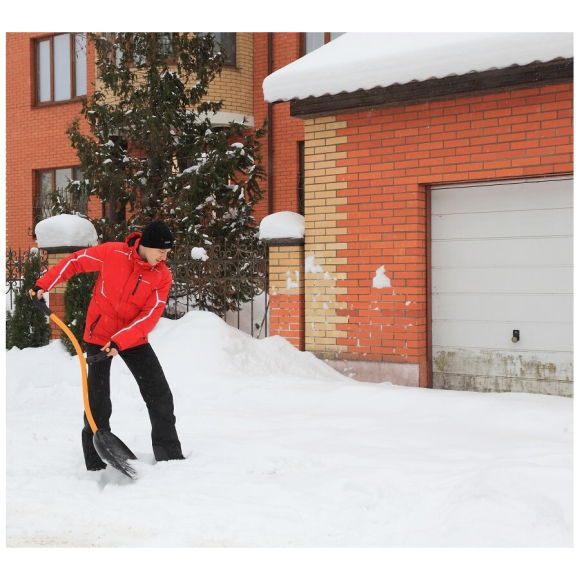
(127,302)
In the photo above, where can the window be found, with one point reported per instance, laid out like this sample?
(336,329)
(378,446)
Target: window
(115,40)
(228,40)
(61,67)
(164,48)
(122,40)
(50,181)
(313,40)
(164,40)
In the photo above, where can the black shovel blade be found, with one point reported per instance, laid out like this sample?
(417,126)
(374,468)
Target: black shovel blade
(114,452)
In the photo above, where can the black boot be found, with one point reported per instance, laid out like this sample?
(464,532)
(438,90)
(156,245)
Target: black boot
(92,459)
(97,467)
(162,454)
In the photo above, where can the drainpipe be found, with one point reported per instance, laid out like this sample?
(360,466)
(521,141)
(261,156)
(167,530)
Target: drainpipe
(270,130)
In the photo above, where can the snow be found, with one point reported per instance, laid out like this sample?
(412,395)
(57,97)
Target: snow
(291,283)
(283,451)
(311,267)
(283,224)
(199,254)
(381,280)
(65,230)
(252,318)
(365,60)
(224,118)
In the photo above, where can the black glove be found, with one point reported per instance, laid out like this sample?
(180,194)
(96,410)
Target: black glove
(35,289)
(100,356)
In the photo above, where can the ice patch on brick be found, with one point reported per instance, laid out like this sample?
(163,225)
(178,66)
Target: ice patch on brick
(291,283)
(381,280)
(310,267)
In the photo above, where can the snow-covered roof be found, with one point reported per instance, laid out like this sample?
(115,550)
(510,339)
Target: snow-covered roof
(366,60)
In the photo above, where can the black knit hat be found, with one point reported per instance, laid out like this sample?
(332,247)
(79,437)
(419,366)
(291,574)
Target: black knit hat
(157,235)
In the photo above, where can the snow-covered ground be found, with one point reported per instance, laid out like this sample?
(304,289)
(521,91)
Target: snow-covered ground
(283,451)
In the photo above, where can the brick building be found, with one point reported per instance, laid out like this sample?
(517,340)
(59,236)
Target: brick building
(371,167)
(46,74)
(438,206)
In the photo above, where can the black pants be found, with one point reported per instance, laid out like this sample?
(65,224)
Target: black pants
(145,367)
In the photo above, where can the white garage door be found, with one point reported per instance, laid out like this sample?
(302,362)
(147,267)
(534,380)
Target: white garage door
(501,259)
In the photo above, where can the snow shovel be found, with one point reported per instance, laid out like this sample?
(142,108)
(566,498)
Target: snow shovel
(109,447)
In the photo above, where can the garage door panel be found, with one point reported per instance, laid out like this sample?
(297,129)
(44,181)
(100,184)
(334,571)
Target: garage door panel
(518,252)
(511,196)
(504,363)
(536,336)
(504,224)
(503,307)
(550,280)
(487,384)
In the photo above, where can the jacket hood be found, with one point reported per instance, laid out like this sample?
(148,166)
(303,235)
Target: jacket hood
(131,239)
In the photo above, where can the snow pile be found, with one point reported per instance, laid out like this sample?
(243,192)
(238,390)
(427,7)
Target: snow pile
(284,224)
(65,230)
(221,350)
(283,451)
(365,60)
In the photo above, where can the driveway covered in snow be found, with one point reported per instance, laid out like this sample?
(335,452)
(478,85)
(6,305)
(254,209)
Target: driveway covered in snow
(283,451)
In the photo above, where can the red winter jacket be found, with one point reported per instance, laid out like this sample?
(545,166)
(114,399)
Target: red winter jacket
(129,295)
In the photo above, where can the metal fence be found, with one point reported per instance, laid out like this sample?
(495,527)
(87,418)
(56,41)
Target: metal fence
(231,281)
(15,262)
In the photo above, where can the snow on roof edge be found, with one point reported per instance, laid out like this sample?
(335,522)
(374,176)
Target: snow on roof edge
(363,61)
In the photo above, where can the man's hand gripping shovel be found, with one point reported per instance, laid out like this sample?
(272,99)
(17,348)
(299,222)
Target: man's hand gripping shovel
(109,447)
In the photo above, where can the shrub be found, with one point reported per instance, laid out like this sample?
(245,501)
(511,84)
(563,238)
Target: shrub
(79,290)
(27,326)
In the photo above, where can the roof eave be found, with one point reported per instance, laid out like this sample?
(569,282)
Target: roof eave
(534,74)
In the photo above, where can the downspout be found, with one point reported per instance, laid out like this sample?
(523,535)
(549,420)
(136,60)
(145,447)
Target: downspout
(270,131)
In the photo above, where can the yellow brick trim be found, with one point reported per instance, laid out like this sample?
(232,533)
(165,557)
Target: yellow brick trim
(323,210)
(235,85)
(337,125)
(286,270)
(53,260)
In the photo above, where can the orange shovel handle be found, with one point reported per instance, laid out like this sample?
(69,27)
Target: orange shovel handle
(42,305)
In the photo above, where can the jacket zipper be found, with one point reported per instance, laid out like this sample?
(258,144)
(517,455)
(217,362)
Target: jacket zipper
(136,286)
(93,325)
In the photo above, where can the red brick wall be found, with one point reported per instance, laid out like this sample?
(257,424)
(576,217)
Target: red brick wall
(393,155)
(285,131)
(35,136)
(287,319)
(35,139)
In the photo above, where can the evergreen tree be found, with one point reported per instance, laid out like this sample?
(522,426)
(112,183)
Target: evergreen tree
(152,150)
(79,290)
(27,326)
